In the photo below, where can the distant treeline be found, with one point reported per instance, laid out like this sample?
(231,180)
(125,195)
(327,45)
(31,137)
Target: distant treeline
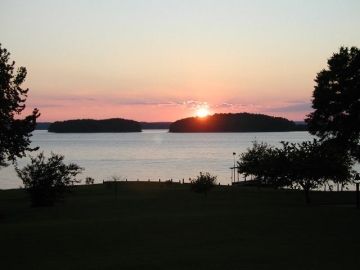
(155,125)
(144,125)
(239,122)
(43,125)
(90,125)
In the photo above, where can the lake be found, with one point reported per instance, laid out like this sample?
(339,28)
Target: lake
(151,154)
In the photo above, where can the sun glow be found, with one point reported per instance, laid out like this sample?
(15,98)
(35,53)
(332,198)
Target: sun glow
(202,112)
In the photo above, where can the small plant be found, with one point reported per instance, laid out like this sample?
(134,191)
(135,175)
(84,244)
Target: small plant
(89,181)
(203,183)
(46,180)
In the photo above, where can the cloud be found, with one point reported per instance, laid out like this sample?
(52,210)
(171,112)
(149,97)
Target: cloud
(44,105)
(45,101)
(189,104)
(301,107)
(226,105)
(194,104)
(75,98)
(142,103)
(289,106)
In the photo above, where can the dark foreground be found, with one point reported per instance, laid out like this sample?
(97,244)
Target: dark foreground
(165,226)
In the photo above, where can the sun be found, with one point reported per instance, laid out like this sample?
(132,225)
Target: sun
(202,112)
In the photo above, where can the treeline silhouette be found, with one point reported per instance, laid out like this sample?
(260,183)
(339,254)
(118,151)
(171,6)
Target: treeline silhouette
(95,126)
(239,122)
(144,125)
(155,125)
(42,125)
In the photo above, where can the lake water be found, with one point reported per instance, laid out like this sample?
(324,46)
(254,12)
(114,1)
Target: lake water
(151,154)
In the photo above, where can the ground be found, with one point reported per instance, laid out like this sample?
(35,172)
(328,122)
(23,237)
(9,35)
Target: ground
(166,226)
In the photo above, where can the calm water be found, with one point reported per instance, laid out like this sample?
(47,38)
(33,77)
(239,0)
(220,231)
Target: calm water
(152,154)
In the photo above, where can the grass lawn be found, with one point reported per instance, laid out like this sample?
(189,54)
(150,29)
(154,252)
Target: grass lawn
(165,226)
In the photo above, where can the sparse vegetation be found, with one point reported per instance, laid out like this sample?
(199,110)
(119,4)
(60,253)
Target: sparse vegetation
(113,183)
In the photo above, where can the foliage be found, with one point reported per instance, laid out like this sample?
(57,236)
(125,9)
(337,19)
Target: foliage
(252,162)
(336,100)
(203,183)
(46,180)
(89,181)
(15,133)
(264,162)
(274,165)
(308,165)
(313,164)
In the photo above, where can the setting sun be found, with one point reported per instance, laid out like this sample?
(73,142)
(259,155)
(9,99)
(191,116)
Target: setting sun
(202,112)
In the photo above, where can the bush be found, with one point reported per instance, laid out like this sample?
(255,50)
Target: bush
(203,183)
(46,180)
(89,181)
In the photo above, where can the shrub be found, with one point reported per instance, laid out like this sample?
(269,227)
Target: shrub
(203,183)
(46,180)
(89,181)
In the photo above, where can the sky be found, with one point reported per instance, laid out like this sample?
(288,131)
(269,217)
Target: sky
(159,60)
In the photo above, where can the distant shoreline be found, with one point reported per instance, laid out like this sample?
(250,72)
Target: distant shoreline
(218,123)
(144,125)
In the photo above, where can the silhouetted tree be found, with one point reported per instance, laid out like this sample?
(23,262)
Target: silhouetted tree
(311,164)
(308,165)
(203,183)
(252,162)
(274,165)
(89,181)
(336,100)
(46,180)
(15,133)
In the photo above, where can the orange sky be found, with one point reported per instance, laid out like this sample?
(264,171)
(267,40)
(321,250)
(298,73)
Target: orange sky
(162,60)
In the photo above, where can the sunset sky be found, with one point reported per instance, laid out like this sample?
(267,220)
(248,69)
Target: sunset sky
(163,60)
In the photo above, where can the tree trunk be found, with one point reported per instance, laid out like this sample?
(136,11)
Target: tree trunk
(307,195)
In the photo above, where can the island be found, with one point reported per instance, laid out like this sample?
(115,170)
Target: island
(238,122)
(95,126)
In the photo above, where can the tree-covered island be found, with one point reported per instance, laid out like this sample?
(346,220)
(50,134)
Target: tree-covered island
(239,122)
(95,126)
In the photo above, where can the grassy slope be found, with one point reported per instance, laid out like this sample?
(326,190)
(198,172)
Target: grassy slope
(164,226)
